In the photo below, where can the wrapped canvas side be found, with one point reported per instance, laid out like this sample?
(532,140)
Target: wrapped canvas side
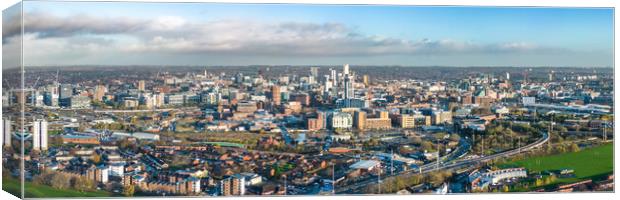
(14,131)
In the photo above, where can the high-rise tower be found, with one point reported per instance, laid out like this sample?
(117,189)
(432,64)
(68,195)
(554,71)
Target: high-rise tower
(347,83)
(141,85)
(39,135)
(276,94)
(6,132)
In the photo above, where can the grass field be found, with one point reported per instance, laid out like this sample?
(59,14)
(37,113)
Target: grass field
(226,144)
(12,185)
(587,163)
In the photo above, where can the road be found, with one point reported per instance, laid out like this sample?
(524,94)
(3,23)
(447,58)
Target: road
(141,111)
(459,152)
(430,167)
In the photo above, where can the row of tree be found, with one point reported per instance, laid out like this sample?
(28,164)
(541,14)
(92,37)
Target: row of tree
(65,181)
(394,184)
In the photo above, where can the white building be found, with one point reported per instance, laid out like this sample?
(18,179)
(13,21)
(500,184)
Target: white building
(480,180)
(252,179)
(341,120)
(347,83)
(495,177)
(528,100)
(6,99)
(148,101)
(6,132)
(367,165)
(79,102)
(104,174)
(137,135)
(158,100)
(117,169)
(501,110)
(37,99)
(175,99)
(39,135)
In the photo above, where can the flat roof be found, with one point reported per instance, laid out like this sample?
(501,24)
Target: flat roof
(78,136)
(364,164)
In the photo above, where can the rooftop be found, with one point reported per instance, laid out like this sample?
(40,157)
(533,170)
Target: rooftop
(364,164)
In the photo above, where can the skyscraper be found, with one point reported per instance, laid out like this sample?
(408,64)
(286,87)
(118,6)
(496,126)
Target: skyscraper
(359,119)
(6,132)
(100,91)
(141,85)
(333,77)
(275,94)
(327,83)
(365,80)
(65,93)
(314,71)
(348,88)
(39,135)
(347,84)
(551,75)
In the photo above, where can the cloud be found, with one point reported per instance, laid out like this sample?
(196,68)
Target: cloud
(80,34)
(301,39)
(49,25)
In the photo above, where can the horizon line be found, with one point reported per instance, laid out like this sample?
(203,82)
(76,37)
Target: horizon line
(308,65)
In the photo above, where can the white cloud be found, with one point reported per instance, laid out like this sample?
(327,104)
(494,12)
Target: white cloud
(167,23)
(81,36)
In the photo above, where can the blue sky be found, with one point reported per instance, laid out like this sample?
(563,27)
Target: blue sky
(298,34)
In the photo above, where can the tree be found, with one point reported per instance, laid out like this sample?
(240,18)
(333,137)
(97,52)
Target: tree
(548,149)
(426,145)
(548,180)
(129,190)
(455,137)
(481,111)
(44,178)
(400,183)
(83,184)
(416,140)
(60,181)
(96,158)
(538,182)
(574,147)
(440,136)
(437,178)
(126,144)
(561,129)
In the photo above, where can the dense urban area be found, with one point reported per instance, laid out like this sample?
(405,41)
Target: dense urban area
(100,131)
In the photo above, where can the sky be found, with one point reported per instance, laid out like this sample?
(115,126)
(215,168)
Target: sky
(130,33)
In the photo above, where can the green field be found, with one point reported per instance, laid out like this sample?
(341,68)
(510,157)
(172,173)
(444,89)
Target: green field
(226,144)
(12,185)
(588,163)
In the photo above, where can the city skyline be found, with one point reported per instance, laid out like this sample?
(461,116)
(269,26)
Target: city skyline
(72,33)
(138,99)
(257,131)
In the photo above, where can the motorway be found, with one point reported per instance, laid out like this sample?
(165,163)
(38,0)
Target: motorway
(430,167)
